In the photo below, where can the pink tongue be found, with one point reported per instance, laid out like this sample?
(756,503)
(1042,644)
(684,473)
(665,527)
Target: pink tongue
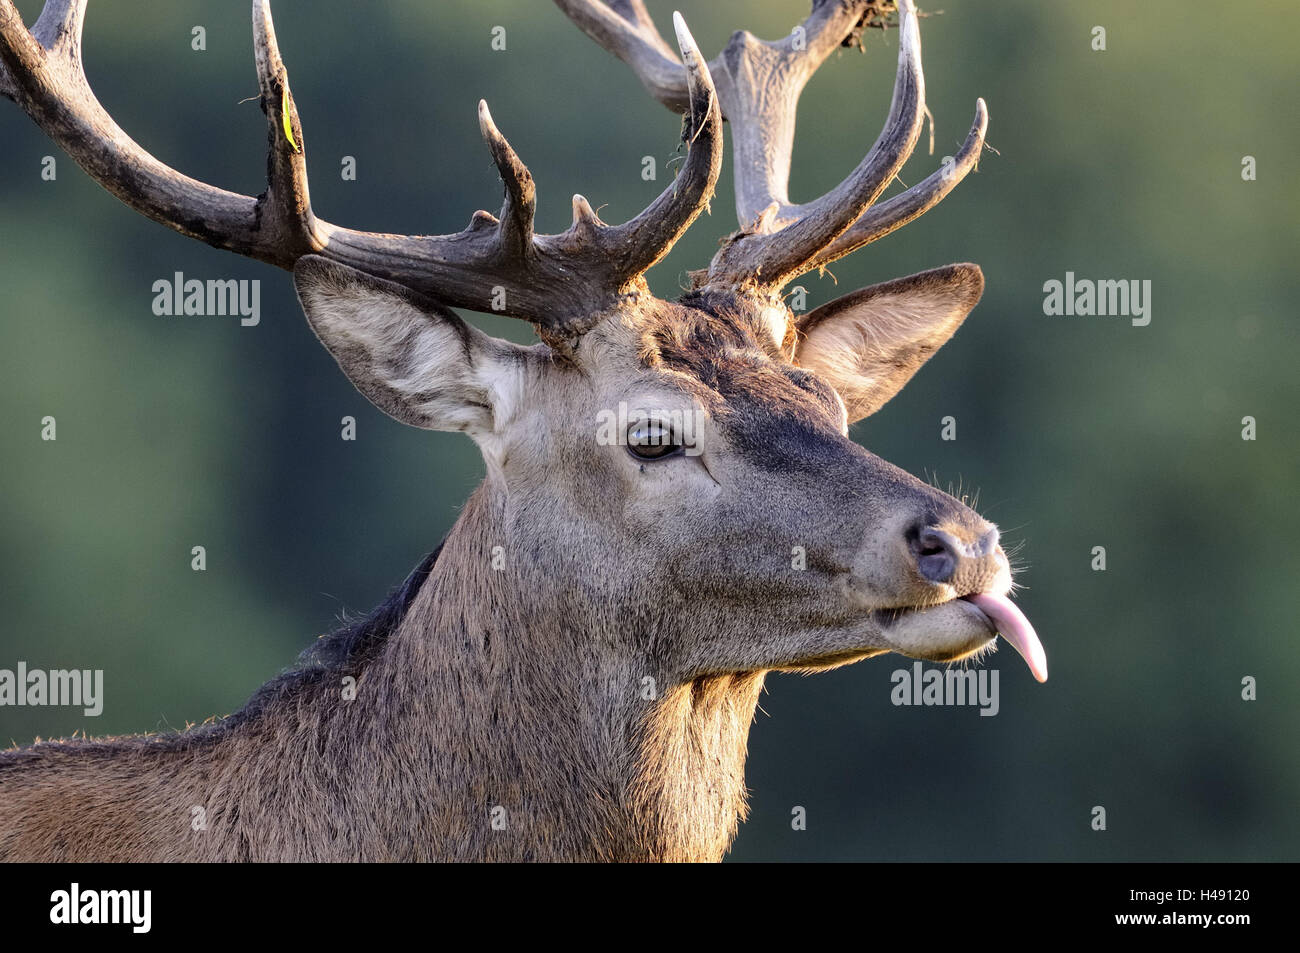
(1015,628)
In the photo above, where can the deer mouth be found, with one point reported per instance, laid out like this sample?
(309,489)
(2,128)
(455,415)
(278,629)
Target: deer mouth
(961,627)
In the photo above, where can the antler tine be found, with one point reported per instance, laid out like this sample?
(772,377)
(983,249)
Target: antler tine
(785,239)
(56,34)
(520,204)
(758,86)
(19,51)
(761,83)
(560,282)
(287,193)
(43,75)
(646,239)
(879,220)
(59,26)
(625,29)
(830,25)
(621,254)
(751,77)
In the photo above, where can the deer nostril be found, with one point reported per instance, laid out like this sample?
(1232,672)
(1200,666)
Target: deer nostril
(930,547)
(938,567)
(936,555)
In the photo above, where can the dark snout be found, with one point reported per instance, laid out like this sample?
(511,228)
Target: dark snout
(965,555)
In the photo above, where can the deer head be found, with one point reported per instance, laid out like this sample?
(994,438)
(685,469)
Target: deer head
(674,478)
(729,497)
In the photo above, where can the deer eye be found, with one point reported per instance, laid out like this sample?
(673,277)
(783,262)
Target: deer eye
(652,440)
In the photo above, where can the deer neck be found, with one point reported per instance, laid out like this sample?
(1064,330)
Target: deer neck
(545,741)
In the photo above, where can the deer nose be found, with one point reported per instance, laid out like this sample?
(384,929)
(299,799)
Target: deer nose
(940,554)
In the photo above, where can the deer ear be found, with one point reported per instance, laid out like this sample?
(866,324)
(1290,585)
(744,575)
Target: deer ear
(412,358)
(868,344)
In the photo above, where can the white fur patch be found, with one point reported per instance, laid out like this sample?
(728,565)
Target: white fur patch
(423,369)
(868,353)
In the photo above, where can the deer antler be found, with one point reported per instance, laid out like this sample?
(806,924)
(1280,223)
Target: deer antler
(758,85)
(560,282)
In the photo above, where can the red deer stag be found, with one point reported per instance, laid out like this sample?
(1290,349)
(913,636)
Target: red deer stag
(572,674)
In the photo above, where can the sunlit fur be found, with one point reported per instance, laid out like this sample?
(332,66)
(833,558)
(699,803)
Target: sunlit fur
(575,674)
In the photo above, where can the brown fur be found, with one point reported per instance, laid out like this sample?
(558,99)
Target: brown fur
(525,690)
(454,716)
(574,677)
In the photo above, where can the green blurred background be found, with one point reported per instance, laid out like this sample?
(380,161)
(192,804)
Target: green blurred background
(1080,432)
